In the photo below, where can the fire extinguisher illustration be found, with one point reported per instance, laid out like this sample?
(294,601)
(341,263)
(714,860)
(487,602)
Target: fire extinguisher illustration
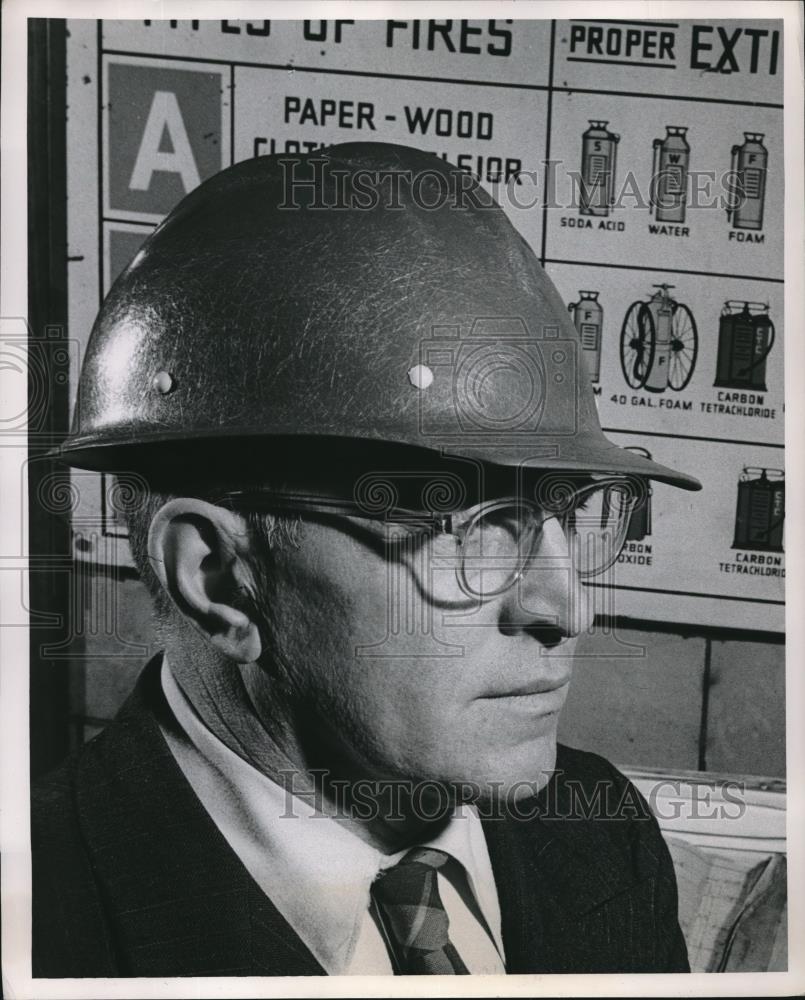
(599,149)
(748,171)
(659,343)
(588,317)
(640,518)
(760,515)
(745,339)
(657,380)
(669,175)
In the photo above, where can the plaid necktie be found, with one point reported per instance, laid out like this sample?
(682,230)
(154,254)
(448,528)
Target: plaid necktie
(412,914)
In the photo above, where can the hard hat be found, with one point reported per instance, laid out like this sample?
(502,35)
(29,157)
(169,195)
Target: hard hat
(363,293)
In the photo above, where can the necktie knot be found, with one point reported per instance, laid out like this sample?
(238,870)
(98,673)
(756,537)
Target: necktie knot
(413,916)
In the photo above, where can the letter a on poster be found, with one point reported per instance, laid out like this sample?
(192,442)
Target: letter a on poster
(164,119)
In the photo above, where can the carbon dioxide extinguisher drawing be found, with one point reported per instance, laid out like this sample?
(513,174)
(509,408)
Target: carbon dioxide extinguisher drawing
(669,175)
(640,518)
(659,343)
(599,149)
(760,513)
(588,318)
(748,169)
(745,340)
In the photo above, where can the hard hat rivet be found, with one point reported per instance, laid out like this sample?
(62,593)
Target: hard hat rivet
(420,376)
(162,383)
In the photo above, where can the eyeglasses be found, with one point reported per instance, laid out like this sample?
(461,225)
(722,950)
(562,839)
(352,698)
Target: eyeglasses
(491,545)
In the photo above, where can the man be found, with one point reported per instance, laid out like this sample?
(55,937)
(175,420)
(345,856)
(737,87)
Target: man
(365,480)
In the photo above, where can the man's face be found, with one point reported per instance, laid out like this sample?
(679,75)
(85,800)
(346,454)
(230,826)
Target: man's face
(384,682)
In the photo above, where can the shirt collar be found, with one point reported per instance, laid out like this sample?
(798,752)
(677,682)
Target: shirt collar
(316,871)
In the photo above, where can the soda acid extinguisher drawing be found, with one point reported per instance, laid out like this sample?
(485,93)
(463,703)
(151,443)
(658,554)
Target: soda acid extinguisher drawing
(640,518)
(599,148)
(745,339)
(659,343)
(747,185)
(588,317)
(760,514)
(669,175)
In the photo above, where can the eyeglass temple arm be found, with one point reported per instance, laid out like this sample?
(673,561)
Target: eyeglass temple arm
(335,505)
(323,504)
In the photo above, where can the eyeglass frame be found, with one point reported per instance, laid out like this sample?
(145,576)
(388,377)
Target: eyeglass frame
(443,522)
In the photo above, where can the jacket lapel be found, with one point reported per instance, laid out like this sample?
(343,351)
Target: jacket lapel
(179,898)
(555,873)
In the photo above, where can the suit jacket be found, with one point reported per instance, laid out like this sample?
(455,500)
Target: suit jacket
(132,878)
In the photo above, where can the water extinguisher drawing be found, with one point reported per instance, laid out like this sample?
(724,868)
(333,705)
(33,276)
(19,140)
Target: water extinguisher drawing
(760,516)
(745,339)
(588,317)
(669,175)
(599,149)
(640,518)
(748,182)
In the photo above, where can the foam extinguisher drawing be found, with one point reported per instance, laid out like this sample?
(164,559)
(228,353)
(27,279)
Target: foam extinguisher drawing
(659,343)
(669,175)
(588,317)
(640,518)
(599,149)
(748,182)
(745,339)
(760,514)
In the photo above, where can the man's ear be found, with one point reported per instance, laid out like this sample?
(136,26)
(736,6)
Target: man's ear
(199,553)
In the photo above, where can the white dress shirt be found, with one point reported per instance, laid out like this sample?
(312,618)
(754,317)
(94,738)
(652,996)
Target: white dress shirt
(316,871)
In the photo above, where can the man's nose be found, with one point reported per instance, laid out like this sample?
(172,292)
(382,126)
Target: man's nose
(549,599)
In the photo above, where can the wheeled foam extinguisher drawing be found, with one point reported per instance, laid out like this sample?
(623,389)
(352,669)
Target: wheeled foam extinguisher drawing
(760,515)
(748,169)
(588,317)
(599,148)
(669,175)
(659,343)
(640,518)
(745,339)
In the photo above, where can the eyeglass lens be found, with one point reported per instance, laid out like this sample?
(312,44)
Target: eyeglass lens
(500,541)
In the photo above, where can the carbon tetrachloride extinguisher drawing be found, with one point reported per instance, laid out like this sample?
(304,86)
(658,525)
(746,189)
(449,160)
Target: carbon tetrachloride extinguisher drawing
(748,170)
(745,339)
(669,175)
(640,518)
(760,515)
(588,317)
(659,343)
(599,149)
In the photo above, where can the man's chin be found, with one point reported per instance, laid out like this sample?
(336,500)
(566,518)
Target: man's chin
(511,777)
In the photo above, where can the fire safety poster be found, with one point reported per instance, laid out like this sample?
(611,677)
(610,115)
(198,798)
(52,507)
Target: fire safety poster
(642,161)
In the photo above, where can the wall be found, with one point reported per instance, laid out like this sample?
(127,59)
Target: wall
(668,376)
(661,699)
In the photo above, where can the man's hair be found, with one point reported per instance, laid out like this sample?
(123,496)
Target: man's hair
(139,505)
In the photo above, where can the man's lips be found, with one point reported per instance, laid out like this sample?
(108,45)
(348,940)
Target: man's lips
(541,685)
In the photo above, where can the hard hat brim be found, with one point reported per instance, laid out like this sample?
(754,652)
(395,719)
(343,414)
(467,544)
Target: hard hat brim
(171,454)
